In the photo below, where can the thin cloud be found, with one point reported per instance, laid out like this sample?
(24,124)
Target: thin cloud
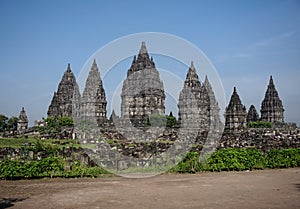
(274,39)
(254,47)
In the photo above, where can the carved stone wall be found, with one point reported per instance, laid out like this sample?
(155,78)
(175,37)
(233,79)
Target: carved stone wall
(143,91)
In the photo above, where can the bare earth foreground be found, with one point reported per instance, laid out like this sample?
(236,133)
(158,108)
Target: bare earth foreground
(255,189)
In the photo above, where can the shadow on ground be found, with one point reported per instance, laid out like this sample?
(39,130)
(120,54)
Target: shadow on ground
(9,202)
(297,186)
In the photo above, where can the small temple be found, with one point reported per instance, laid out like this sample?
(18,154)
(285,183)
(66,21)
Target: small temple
(235,113)
(22,124)
(271,107)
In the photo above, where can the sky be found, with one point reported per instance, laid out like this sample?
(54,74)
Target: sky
(246,41)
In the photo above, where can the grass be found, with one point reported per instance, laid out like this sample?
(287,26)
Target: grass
(14,143)
(62,143)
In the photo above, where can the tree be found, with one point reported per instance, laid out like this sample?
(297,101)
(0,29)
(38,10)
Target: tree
(171,120)
(3,122)
(12,123)
(54,125)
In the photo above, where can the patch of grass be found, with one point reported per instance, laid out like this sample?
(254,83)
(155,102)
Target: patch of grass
(15,142)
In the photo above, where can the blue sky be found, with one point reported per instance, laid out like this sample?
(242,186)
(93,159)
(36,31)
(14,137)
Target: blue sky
(247,41)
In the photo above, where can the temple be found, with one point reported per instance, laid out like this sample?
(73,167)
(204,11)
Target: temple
(271,107)
(61,104)
(235,114)
(198,108)
(93,101)
(143,91)
(22,124)
(193,103)
(252,115)
(143,95)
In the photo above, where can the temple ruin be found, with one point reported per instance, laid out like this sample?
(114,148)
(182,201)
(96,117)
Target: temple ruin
(271,107)
(143,91)
(61,104)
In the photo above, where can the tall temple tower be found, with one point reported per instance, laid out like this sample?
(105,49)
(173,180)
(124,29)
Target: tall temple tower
(61,104)
(192,99)
(235,114)
(143,92)
(213,108)
(271,107)
(199,109)
(22,124)
(93,102)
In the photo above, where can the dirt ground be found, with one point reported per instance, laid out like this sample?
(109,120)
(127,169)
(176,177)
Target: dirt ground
(254,189)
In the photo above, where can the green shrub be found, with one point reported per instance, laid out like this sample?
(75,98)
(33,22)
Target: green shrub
(190,164)
(260,124)
(283,158)
(156,120)
(234,159)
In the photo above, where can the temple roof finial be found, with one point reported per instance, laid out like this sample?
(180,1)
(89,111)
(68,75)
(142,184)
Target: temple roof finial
(271,80)
(192,64)
(206,79)
(69,67)
(234,89)
(143,49)
(94,66)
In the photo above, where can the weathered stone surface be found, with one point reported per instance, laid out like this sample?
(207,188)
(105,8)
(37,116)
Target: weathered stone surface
(193,104)
(22,122)
(271,107)
(93,101)
(61,104)
(143,91)
(198,110)
(252,115)
(235,114)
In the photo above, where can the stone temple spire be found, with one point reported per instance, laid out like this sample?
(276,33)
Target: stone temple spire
(22,124)
(69,68)
(192,79)
(194,103)
(143,49)
(235,114)
(143,61)
(213,109)
(61,104)
(271,107)
(93,102)
(252,115)
(143,92)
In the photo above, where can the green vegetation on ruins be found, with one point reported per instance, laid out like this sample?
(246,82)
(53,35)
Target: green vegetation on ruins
(229,159)
(259,124)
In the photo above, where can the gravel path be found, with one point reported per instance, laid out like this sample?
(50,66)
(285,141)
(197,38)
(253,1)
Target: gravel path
(255,189)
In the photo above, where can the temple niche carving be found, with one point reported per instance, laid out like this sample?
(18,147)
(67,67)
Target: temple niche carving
(235,114)
(93,101)
(143,91)
(61,104)
(271,107)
